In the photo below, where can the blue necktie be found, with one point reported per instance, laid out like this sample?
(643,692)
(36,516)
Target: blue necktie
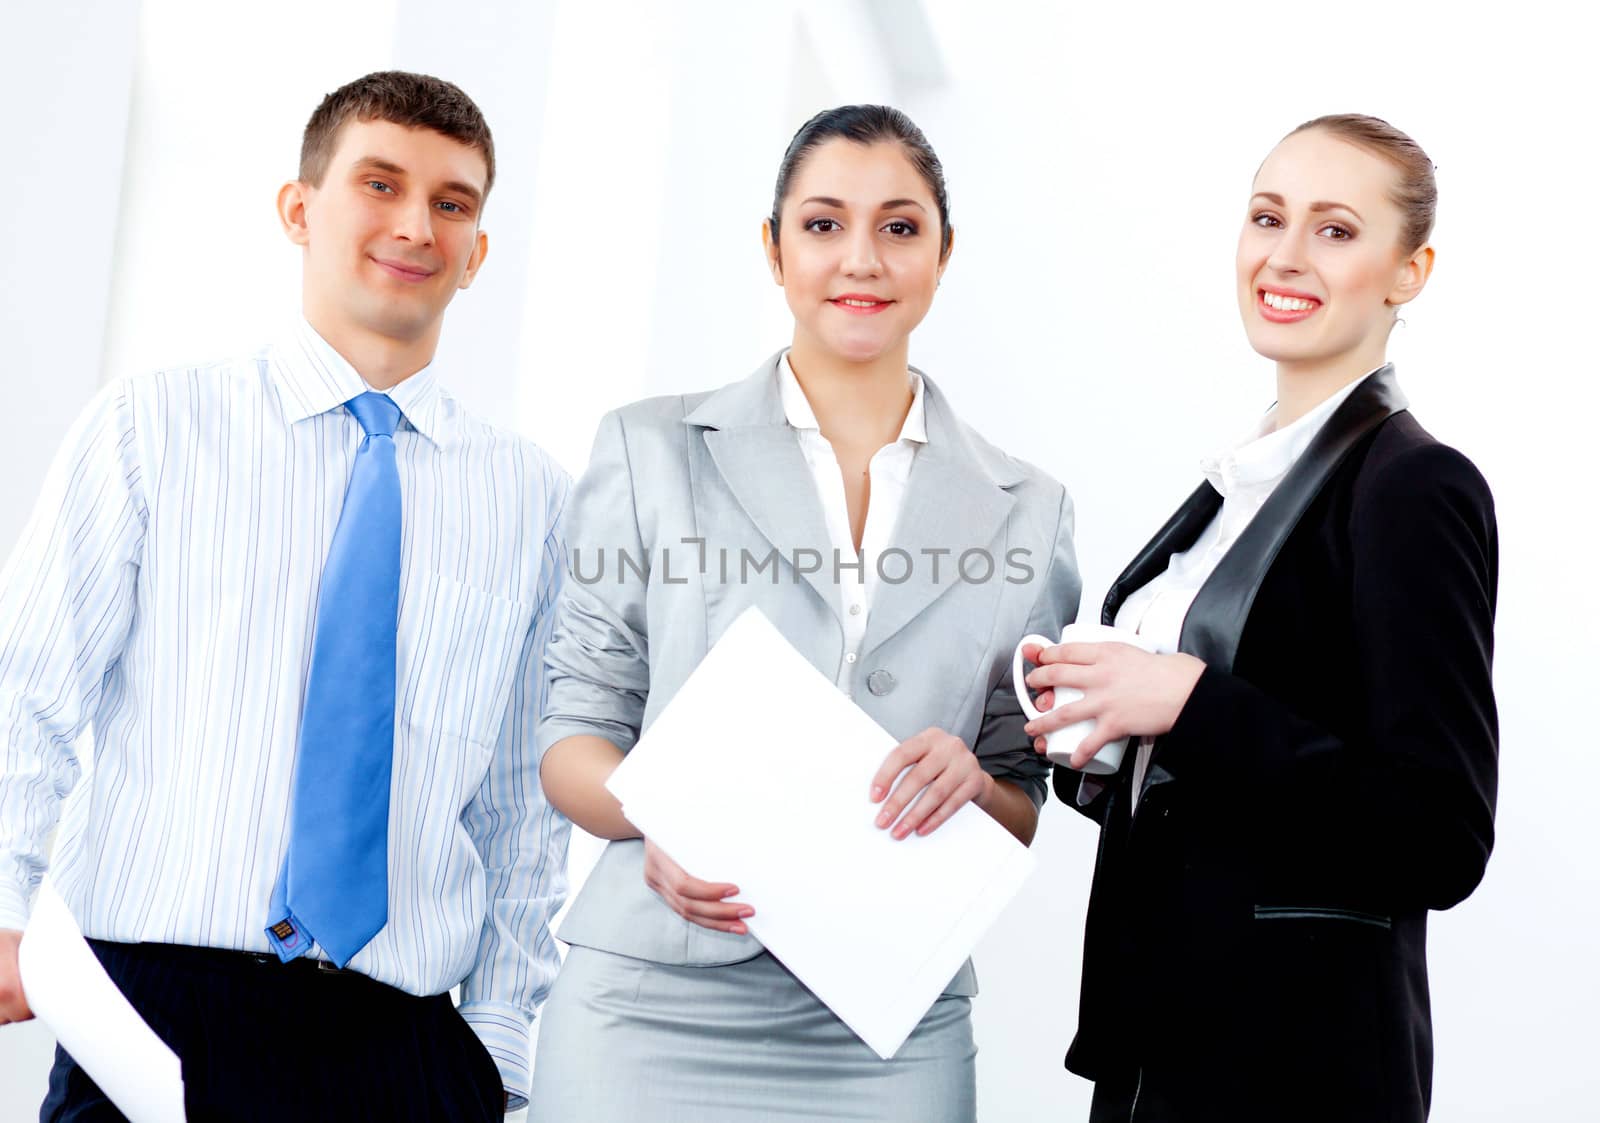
(334,885)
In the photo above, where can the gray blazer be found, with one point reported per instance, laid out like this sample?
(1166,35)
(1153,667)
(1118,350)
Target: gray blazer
(671,534)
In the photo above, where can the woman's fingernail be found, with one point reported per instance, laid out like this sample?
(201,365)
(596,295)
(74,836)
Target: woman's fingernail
(877,792)
(746,913)
(883,819)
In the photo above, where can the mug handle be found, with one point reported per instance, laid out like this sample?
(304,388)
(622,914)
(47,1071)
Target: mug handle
(1016,673)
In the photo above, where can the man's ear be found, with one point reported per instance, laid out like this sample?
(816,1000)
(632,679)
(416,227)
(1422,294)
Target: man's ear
(769,245)
(292,211)
(479,252)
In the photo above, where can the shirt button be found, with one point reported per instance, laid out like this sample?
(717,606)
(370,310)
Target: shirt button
(850,658)
(880,682)
(855,610)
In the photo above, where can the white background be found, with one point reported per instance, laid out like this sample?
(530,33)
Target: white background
(1098,160)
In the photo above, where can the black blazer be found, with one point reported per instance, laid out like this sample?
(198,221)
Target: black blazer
(1255,942)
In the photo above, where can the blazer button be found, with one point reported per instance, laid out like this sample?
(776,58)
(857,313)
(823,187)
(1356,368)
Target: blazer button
(880,682)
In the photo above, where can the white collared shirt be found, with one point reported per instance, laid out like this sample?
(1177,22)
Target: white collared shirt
(164,595)
(1245,476)
(887,473)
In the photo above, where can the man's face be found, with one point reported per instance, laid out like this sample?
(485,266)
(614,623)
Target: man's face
(392,231)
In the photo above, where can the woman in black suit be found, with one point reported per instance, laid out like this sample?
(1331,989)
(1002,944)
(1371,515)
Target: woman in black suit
(1316,759)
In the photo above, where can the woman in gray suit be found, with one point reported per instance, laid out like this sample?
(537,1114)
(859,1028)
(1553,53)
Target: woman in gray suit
(943,551)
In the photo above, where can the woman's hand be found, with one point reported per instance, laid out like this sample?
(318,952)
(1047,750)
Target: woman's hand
(703,902)
(1127,691)
(944,775)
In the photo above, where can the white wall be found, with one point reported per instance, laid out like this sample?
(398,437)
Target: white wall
(65,71)
(1098,162)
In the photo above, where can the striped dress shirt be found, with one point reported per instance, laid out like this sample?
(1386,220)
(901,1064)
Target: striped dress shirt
(162,599)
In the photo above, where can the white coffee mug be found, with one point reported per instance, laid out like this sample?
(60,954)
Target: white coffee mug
(1058,746)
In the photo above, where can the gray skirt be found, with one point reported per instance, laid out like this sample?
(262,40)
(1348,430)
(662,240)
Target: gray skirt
(629,1041)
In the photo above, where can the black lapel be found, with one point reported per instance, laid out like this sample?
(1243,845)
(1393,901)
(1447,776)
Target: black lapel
(1178,535)
(1216,620)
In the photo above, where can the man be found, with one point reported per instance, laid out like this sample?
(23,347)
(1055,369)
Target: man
(302,600)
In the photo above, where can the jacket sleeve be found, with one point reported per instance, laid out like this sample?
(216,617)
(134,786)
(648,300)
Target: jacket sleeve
(598,657)
(1421,791)
(1004,750)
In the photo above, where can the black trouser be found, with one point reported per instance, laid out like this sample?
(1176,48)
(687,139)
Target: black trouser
(263,1040)
(1134,1099)
(1154,1097)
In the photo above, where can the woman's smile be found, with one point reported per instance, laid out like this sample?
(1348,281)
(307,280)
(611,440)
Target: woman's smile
(1285,306)
(859,304)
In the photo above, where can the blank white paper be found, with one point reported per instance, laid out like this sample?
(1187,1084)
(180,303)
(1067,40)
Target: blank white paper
(70,992)
(757,773)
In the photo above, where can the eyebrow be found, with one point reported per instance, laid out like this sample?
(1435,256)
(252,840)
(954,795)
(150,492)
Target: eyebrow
(392,168)
(830,201)
(1319,205)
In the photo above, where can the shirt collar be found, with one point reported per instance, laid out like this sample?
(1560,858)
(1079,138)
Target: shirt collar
(1265,456)
(798,412)
(313,378)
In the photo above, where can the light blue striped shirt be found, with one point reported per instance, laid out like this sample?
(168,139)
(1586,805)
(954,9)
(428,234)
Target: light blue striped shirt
(163,595)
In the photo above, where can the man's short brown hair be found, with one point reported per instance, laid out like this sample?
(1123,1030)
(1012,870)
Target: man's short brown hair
(417,101)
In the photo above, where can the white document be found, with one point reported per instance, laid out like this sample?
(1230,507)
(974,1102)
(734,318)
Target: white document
(757,773)
(67,988)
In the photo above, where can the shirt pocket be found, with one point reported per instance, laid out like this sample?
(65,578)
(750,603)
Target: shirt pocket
(459,650)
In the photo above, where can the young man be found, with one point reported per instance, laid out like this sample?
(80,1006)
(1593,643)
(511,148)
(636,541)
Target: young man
(302,599)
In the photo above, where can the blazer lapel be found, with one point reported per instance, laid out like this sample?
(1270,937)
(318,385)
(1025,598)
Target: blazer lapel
(760,460)
(955,501)
(1178,535)
(1216,620)
(1186,525)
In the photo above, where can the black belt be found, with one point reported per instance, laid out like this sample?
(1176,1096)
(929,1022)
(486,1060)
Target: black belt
(187,955)
(304,965)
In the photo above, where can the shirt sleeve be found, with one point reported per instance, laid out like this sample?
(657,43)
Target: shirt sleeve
(67,598)
(1004,750)
(523,842)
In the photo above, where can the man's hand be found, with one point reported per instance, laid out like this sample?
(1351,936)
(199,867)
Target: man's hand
(13,1006)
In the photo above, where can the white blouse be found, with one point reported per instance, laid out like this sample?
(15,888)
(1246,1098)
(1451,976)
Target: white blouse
(888,471)
(1245,476)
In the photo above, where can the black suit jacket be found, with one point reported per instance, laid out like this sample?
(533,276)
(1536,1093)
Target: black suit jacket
(1255,943)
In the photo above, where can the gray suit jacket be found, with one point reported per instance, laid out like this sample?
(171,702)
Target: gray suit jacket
(695,507)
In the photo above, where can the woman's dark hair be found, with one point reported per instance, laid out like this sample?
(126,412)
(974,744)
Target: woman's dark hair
(865,124)
(1416,193)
